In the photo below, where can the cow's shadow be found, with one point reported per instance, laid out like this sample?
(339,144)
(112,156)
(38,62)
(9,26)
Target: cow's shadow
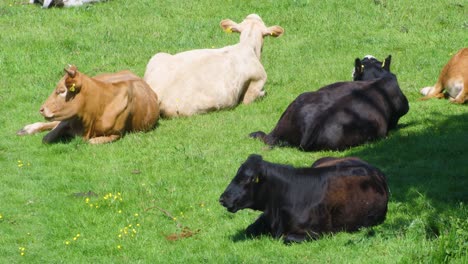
(426,168)
(433,162)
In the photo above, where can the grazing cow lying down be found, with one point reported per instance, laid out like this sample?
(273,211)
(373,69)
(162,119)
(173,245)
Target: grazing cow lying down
(335,194)
(342,114)
(453,79)
(65,3)
(200,81)
(101,109)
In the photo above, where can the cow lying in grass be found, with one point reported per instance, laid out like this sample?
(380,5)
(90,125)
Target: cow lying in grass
(342,114)
(100,109)
(200,81)
(60,3)
(335,194)
(453,79)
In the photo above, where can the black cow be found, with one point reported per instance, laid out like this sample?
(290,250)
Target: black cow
(335,194)
(343,114)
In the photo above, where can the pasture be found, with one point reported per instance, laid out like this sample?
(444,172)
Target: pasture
(153,197)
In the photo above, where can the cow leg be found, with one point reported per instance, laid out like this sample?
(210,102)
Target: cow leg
(461,97)
(267,139)
(294,238)
(37,127)
(104,139)
(254,91)
(61,132)
(259,227)
(435,91)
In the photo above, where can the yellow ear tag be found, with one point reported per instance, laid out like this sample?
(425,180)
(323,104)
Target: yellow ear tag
(228,30)
(362,67)
(256,180)
(383,64)
(271,34)
(72,88)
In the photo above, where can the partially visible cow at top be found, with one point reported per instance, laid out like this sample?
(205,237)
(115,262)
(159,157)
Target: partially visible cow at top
(343,114)
(101,109)
(60,3)
(199,81)
(453,79)
(335,194)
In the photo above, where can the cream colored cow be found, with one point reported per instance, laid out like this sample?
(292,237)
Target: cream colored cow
(204,80)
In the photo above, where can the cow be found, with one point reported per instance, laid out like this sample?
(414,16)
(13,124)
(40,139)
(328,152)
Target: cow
(453,79)
(199,81)
(343,114)
(101,109)
(61,3)
(298,204)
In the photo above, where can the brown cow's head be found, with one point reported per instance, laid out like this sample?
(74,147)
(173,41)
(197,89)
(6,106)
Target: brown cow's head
(252,31)
(240,193)
(65,102)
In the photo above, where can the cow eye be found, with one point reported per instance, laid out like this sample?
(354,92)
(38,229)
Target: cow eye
(61,91)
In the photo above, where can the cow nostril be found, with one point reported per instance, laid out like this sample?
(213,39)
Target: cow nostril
(41,110)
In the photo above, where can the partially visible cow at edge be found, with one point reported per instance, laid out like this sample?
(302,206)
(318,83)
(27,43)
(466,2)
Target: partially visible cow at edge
(342,114)
(335,194)
(204,80)
(62,3)
(100,109)
(453,79)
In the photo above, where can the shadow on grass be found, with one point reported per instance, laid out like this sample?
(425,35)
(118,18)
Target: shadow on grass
(433,163)
(427,172)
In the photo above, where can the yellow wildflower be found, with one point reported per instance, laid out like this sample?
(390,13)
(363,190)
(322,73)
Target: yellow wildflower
(119,247)
(136,215)
(67,242)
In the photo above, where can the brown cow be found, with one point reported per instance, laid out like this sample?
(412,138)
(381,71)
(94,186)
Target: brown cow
(100,109)
(453,79)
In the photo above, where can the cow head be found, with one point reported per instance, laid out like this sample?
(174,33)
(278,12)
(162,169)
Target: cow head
(370,68)
(240,193)
(252,31)
(65,101)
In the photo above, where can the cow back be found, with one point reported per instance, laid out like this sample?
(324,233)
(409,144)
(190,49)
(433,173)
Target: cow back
(342,114)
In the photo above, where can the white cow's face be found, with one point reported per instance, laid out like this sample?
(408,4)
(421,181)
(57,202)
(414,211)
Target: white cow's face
(252,31)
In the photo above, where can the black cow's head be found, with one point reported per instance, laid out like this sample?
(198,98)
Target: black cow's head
(370,68)
(240,192)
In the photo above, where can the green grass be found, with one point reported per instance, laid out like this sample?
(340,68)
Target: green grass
(184,164)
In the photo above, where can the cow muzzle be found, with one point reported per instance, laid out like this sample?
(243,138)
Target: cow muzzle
(46,113)
(229,205)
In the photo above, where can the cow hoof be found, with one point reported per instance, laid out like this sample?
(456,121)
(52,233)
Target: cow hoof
(21,132)
(258,134)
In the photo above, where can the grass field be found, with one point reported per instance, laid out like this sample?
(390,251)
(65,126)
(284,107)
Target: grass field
(166,183)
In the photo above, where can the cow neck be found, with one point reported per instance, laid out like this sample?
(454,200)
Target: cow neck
(253,39)
(273,184)
(97,95)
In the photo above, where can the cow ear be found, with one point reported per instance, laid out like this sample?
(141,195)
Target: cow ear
(274,31)
(255,157)
(386,63)
(229,26)
(358,69)
(71,70)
